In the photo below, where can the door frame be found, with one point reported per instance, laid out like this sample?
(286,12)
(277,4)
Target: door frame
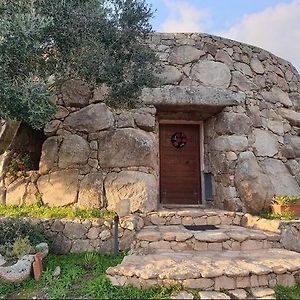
(201,157)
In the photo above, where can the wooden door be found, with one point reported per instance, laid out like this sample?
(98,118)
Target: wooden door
(180,164)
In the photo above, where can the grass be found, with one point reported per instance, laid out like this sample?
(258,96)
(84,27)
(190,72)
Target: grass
(78,279)
(266,214)
(288,292)
(43,212)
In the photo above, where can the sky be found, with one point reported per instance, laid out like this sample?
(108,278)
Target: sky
(273,25)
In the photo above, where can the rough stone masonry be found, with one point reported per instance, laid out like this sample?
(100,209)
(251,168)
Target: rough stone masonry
(95,156)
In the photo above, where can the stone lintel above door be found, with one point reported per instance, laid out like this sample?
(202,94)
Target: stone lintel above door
(192,96)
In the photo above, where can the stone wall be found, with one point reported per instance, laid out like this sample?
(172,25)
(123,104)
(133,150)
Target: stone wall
(76,236)
(249,100)
(93,157)
(251,148)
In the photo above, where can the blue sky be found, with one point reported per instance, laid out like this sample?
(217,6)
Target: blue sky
(270,24)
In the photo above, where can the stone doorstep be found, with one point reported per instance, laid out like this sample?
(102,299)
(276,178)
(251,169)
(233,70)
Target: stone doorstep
(201,216)
(227,237)
(209,270)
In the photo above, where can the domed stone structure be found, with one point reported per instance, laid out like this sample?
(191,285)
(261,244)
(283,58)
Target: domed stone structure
(221,130)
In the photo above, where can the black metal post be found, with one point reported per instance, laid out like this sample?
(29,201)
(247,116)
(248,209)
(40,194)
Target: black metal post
(116,236)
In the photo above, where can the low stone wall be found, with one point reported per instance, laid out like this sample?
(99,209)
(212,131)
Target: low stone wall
(75,236)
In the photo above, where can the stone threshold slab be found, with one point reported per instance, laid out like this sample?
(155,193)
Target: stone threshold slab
(208,270)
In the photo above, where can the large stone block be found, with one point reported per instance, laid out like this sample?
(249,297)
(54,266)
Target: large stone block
(126,148)
(91,191)
(282,180)
(73,151)
(49,155)
(192,95)
(265,143)
(292,116)
(241,82)
(231,143)
(253,186)
(76,93)
(232,123)
(92,118)
(170,75)
(15,192)
(293,142)
(185,54)
(276,95)
(131,191)
(75,230)
(290,238)
(59,188)
(212,73)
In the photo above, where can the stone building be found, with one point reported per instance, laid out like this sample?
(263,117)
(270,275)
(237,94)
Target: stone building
(221,131)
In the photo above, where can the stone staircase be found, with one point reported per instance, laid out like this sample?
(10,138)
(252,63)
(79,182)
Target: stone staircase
(238,254)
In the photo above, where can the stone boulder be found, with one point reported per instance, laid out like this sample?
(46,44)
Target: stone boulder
(257,66)
(212,73)
(170,75)
(292,145)
(18,272)
(49,155)
(241,82)
(232,123)
(253,185)
(265,143)
(91,191)
(290,237)
(292,116)
(74,151)
(276,95)
(127,148)
(130,192)
(16,191)
(92,118)
(59,188)
(76,93)
(230,143)
(75,230)
(185,54)
(145,121)
(282,181)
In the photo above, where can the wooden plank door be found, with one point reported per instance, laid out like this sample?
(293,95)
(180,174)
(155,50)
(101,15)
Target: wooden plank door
(180,164)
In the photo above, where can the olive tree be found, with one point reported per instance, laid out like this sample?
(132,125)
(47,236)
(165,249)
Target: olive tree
(44,42)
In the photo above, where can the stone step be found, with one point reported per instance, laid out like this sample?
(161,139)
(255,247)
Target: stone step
(208,270)
(226,237)
(200,216)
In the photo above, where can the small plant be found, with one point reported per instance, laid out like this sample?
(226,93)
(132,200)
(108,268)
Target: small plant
(285,200)
(89,260)
(19,165)
(285,215)
(39,199)
(21,247)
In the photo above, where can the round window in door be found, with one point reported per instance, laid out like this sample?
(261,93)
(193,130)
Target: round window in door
(178,140)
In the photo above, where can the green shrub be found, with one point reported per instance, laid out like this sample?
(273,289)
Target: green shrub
(21,247)
(286,215)
(285,200)
(14,229)
(19,165)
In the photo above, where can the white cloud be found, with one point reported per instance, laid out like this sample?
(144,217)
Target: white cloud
(276,29)
(184,17)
